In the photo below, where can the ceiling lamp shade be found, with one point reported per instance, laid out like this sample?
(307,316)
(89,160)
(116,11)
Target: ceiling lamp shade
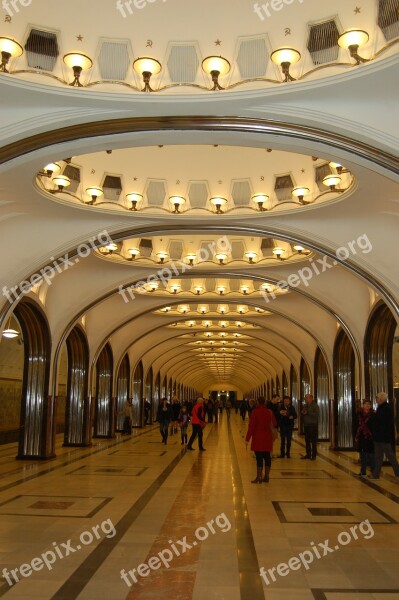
(299,249)
(175,288)
(135,199)
(147,67)
(177,202)
(162,256)
(251,256)
(198,290)
(77,62)
(221,256)
(218,202)
(278,252)
(216,66)
(133,253)
(52,169)
(221,289)
(285,57)
(352,40)
(9,48)
(191,258)
(331,181)
(337,166)
(244,289)
(94,193)
(300,193)
(260,200)
(10,333)
(62,181)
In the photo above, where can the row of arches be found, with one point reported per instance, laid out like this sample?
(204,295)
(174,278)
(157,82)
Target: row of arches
(338,397)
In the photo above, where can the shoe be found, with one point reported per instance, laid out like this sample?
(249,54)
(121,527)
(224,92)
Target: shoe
(189,448)
(288,455)
(305,457)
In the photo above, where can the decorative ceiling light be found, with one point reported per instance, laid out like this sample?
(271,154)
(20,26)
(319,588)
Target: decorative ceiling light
(279,253)
(208,334)
(222,309)
(94,193)
(203,310)
(286,57)
(78,62)
(207,324)
(260,200)
(221,289)
(177,202)
(216,66)
(244,289)
(352,40)
(153,286)
(175,288)
(251,256)
(266,287)
(10,333)
(162,257)
(241,310)
(191,323)
(184,309)
(299,248)
(198,289)
(135,199)
(52,169)
(218,202)
(167,309)
(133,253)
(111,248)
(221,257)
(300,193)
(147,67)
(62,181)
(332,181)
(9,48)
(191,258)
(338,167)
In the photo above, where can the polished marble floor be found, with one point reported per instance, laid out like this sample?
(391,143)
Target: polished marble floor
(133,518)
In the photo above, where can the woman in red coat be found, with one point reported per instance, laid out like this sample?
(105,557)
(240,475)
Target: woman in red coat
(260,430)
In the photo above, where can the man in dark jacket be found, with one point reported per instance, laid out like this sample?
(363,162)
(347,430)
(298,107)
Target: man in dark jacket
(310,426)
(383,436)
(287,421)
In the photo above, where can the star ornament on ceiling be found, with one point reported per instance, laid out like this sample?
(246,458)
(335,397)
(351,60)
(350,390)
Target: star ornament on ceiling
(218,42)
(357,10)
(79,38)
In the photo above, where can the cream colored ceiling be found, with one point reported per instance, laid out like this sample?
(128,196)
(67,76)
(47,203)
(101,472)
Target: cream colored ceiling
(36,226)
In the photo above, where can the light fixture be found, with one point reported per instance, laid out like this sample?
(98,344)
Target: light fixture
(111,248)
(10,333)
(260,200)
(218,202)
(244,289)
(241,310)
(207,324)
(153,286)
(286,57)
(175,288)
(177,202)
(52,169)
(216,66)
(184,309)
(9,48)
(300,193)
(265,287)
(221,256)
(147,67)
(331,181)
(279,252)
(62,181)
(135,199)
(94,193)
(251,256)
(191,323)
(78,62)
(191,258)
(221,289)
(338,167)
(133,253)
(162,257)
(299,249)
(352,40)
(198,289)
(203,310)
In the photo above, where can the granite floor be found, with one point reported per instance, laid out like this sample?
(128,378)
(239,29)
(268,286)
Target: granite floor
(133,518)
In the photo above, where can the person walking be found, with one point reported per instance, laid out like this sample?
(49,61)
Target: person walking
(364,437)
(287,421)
(261,422)
(176,407)
(184,421)
(243,409)
(228,405)
(310,414)
(198,424)
(164,417)
(384,436)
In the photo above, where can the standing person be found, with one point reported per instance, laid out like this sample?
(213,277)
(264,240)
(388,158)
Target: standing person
(228,405)
(260,430)
(243,409)
(287,421)
(364,437)
(164,417)
(176,407)
(128,420)
(384,436)
(310,414)
(184,421)
(198,423)
(147,411)
(251,406)
(209,410)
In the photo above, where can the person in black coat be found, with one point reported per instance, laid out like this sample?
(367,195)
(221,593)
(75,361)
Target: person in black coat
(164,417)
(384,436)
(287,418)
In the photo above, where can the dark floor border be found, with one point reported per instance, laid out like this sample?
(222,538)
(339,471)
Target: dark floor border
(283,519)
(320,594)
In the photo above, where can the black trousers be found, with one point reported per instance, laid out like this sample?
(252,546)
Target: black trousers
(197,431)
(311,435)
(263,456)
(286,437)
